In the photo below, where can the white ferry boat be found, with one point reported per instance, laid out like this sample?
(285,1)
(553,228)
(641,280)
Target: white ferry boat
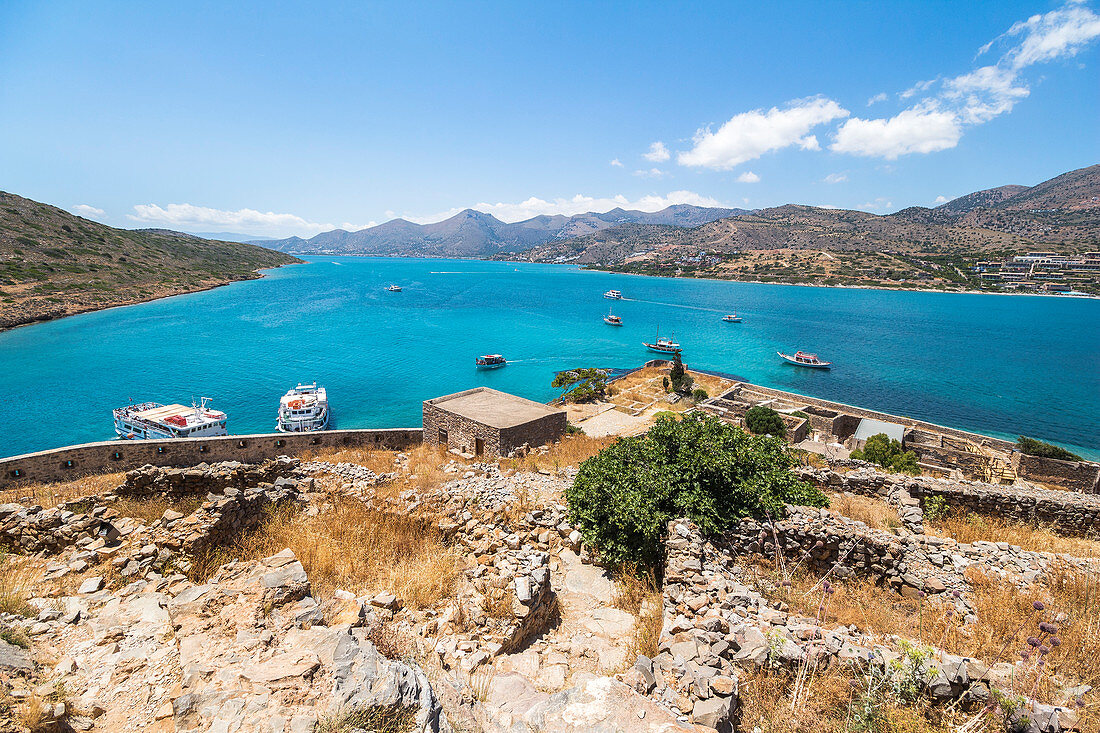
(394,288)
(732,318)
(150,420)
(801,358)
(611,319)
(664,345)
(613,294)
(490,361)
(303,409)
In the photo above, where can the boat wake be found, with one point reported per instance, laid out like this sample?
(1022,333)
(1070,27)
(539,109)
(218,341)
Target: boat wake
(675,305)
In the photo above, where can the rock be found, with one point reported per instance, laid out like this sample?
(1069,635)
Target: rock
(715,712)
(91,585)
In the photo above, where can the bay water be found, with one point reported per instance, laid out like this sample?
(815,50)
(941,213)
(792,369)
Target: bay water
(998,365)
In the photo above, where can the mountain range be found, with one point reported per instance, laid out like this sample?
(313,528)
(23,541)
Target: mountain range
(471,233)
(1062,213)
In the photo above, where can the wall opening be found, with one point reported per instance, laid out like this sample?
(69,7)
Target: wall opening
(479,446)
(442,436)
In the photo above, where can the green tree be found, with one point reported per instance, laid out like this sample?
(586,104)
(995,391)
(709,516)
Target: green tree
(765,421)
(699,394)
(581,385)
(678,376)
(1045,450)
(884,451)
(696,467)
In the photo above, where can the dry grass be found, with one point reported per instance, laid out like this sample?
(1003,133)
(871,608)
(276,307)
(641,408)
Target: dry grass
(875,513)
(1006,618)
(774,702)
(647,385)
(423,469)
(16,582)
(571,450)
(353,548)
(637,593)
(970,527)
(51,494)
(498,604)
(152,509)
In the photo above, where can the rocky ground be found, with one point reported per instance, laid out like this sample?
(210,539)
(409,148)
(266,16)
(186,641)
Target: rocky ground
(122,634)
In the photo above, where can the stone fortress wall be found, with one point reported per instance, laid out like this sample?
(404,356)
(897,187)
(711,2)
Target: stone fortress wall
(110,456)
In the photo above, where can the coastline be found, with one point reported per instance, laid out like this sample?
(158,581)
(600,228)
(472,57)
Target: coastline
(92,308)
(968,291)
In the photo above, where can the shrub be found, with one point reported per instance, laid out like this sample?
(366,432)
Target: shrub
(1038,448)
(887,453)
(765,421)
(699,394)
(697,467)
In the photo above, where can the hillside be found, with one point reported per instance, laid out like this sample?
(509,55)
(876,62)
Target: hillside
(55,264)
(917,246)
(473,233)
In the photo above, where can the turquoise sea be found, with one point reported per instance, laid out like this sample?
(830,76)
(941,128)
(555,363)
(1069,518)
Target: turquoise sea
(994,364)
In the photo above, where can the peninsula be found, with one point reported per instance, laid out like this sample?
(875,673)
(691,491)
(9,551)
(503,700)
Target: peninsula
(55,264)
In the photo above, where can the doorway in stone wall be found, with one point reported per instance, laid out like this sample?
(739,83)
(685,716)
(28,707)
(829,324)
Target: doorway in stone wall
(479,446)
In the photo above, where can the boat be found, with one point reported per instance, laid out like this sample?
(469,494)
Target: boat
(732,318)
(152,420)
(303,409)
(801,358)
(394,288)
(490,361)
(664,345)
(613,294)
(611,319)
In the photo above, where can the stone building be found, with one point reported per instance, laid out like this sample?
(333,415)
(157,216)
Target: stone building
(487,422)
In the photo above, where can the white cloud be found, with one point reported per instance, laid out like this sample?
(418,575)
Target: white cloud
(246,221)
(880,97)
(879,204)
(1058,34)
(651,173)
(658,153)
(911,131)
(616,163)
(748,135)
(941,199)
(947,106)
(748,177)
(88,212)
(579,204)
(836,178)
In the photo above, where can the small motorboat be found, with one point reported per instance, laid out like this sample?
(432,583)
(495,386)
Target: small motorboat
(611,319)
(490,361)
(664,345)
(394,288)
(801,358)
(732,318)
(613,295)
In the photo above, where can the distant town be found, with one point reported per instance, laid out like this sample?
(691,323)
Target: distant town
(1043,271)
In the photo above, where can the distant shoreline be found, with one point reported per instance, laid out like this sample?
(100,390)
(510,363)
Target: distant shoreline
(968,291)
(82,309)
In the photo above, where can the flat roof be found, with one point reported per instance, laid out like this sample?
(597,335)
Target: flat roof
(869,426)
(493,408)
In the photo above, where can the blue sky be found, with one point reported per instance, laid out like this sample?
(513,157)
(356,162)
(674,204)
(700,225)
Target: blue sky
(292,118)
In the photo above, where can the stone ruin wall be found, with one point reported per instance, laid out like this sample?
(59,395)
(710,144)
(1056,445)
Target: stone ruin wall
(1067,512)
(64,464)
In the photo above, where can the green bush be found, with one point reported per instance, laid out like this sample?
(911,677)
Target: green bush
(765,421)
(699,394)
(697,467)
(1045,450)
(887,453)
